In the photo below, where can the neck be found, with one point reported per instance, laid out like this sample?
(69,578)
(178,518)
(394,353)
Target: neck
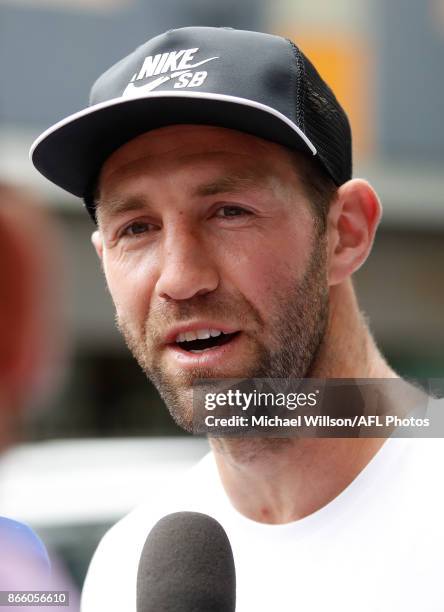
(282,480)
(348,349)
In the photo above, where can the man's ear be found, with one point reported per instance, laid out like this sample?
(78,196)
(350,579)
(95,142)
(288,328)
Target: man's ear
(352,221)
(97,241)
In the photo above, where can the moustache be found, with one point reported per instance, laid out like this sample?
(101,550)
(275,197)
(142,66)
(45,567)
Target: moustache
(166,314)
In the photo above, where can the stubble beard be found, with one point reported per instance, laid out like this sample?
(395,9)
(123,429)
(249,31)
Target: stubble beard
(298,327)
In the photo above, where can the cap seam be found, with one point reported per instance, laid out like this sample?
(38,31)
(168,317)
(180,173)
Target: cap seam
(303,94)
(298,85)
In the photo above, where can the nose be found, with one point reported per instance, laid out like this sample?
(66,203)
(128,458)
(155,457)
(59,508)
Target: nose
(186,268)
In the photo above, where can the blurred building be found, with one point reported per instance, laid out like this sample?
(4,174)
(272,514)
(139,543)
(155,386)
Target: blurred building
(384,61)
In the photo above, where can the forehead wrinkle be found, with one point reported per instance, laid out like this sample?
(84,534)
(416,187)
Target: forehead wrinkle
(235,182)
(230,179)
(142,161)
(124,169)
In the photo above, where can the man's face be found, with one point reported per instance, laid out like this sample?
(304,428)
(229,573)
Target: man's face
(206,233)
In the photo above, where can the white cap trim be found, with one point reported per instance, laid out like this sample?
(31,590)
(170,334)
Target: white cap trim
(171,94)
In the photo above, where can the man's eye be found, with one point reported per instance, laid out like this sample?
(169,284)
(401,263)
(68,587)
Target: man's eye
(136,228)
(231,211)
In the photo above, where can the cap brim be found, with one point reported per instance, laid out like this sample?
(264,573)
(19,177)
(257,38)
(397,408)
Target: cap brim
(71,152)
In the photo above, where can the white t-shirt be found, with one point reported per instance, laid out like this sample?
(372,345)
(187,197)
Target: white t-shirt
(377,547)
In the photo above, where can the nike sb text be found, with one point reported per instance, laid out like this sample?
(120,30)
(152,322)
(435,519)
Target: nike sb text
(172,61)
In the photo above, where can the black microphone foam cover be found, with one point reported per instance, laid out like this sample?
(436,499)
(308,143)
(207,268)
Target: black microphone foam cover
(186,565)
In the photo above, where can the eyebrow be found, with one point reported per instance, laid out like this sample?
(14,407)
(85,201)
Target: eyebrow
(116,205)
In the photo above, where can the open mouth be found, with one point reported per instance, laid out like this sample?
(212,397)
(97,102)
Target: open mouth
(203,340)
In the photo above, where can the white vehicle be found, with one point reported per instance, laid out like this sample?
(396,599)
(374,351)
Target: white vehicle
(71,491)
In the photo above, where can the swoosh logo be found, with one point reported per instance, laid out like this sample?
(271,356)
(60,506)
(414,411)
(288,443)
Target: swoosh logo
(202,62)
(131,91)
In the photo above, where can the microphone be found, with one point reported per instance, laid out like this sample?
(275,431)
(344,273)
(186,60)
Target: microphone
(186,565)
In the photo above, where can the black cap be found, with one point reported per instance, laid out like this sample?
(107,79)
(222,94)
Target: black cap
(256,83)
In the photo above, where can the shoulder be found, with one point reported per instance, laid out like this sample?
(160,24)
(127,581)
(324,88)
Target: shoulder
(417,476)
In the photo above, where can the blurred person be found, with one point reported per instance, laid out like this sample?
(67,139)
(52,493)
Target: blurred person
(30,321)
(31,351)
(217,165)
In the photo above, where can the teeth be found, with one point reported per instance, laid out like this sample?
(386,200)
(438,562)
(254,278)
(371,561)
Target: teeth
(203,334)
(199,334)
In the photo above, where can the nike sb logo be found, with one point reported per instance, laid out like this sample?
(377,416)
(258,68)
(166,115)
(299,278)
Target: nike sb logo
(172,65)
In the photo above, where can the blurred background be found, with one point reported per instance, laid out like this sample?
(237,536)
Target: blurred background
(73,475)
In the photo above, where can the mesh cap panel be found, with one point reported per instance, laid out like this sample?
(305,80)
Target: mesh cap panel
(323,120)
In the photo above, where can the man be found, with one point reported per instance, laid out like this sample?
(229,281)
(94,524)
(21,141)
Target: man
(217,165)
